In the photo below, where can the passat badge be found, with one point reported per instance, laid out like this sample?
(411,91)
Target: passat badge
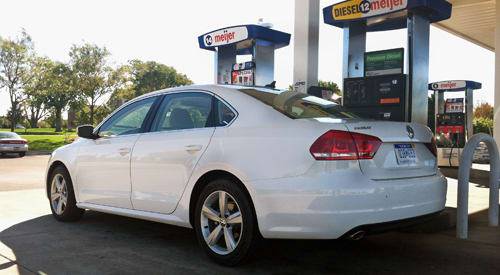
(410,131)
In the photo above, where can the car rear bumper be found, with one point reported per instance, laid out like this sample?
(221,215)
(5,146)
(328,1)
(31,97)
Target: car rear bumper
(377,228)
(328,207)
(17,148)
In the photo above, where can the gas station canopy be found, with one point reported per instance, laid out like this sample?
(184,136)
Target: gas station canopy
(395,13)
(232,35)
(228,43)
(473,20)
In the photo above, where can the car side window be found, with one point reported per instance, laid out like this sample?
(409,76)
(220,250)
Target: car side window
(187,110)
(224,114)
(129,120)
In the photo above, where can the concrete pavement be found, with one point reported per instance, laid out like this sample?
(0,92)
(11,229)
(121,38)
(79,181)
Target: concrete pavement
(22,173)
(31,241)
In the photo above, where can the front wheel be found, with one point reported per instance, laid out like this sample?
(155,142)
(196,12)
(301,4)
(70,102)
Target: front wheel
(22,154)
(62,197)
(225,223)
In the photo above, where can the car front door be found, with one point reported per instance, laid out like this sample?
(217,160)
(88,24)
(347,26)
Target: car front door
(103,164)
(164,158)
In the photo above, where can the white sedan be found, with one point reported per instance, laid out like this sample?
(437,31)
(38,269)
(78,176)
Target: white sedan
(239,163)
(12,143)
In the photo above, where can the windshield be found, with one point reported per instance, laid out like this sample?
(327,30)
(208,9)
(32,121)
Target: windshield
(298,105)
(8,135)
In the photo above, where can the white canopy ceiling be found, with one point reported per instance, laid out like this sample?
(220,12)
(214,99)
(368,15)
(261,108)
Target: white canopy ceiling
(473,20)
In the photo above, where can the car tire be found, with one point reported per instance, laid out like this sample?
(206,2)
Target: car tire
(62,197)
(22,154)
(236,241)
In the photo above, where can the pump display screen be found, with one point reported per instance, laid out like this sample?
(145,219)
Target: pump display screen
(377,97)
(243,74)
(450,126)
(244,78)
(454,105)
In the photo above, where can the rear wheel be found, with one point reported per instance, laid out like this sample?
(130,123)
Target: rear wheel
(225,223)
(62,198)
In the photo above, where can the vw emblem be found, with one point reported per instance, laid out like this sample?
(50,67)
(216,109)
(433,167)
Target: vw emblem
(411,133)
(208,40)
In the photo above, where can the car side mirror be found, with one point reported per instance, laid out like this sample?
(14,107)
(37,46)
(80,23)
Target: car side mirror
(86,131)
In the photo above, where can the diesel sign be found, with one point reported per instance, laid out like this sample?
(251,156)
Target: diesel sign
(356,9)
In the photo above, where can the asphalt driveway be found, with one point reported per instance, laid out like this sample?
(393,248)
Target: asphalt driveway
(31,241)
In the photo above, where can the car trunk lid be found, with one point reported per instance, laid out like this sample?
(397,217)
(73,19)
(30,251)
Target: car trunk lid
(403,153)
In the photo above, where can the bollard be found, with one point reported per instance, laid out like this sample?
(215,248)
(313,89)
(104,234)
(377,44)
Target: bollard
(463,183)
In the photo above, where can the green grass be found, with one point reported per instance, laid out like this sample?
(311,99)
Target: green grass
(47,142)
(37,131)
(44,139)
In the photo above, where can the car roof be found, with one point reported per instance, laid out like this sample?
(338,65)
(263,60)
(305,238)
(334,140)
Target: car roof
(209,87)
(9,135)
(227,92)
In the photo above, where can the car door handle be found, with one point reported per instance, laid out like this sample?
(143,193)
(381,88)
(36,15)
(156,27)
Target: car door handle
(193,148)
(123,151)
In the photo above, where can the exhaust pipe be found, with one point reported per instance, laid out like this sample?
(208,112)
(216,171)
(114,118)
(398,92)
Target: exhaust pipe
(358,235)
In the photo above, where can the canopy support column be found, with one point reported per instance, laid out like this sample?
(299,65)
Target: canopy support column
(496,124)
(306,38)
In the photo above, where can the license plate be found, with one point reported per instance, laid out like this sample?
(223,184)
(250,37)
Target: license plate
(405,154)
(17,148)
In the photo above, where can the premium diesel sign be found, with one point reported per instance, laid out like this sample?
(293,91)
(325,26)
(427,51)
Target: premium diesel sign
(384,62)
(356,9)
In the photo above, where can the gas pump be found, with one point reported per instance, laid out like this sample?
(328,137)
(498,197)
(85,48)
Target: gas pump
(453,120)
(377,84)
(243,74)
(259,41)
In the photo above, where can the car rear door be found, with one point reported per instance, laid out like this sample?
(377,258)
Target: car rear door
(164,159)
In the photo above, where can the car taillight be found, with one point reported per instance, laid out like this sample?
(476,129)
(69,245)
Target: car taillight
(13,142)
(342,145)
(432,146)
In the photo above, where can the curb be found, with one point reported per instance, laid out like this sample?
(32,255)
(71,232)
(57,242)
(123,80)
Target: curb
(38,153)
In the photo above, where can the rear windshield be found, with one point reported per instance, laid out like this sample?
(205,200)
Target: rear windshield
(8,135)
(298,105)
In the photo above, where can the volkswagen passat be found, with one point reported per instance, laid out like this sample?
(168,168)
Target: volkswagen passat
(239,163)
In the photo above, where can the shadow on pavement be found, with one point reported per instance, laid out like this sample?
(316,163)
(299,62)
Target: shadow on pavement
(9,156)
(478,177)
(104,244)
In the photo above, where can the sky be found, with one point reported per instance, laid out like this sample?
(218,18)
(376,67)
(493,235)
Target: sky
(167,31)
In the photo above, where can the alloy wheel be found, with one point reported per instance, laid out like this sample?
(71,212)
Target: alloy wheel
(221,222)
(58,194)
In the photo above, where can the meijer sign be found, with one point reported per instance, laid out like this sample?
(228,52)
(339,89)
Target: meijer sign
(449,85)
(225,36)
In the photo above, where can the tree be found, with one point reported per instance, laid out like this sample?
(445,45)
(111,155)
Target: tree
(328,85)
(35,86)
(14,57)
(483,125)
(59,91)
(431,112)
(484,110)
(93,78)
(144,77)
(152,76)
(331,86)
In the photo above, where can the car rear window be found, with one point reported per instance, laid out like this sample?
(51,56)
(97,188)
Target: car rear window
(298,105)
(8,135)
